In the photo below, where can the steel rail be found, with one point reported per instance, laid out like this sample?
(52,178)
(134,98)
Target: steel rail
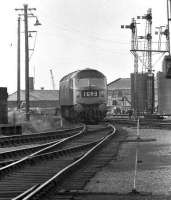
(60,153)
(63,152)
(4,157)
(18,139)
(14,154)
(66,151)
(8,168)
(43,188)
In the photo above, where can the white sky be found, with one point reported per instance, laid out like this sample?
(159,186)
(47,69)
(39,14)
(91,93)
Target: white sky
(75,34)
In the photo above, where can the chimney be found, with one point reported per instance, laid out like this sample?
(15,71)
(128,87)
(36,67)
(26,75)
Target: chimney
(31,83)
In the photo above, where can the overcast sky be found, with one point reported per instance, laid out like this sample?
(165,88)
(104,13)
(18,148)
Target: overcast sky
(75,34)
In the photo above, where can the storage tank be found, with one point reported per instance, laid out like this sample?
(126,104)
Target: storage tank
(3,105)
(164,93)
(142,92)
(166,66)
(150,93)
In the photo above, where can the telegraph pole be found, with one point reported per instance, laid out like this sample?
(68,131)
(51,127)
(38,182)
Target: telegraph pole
(18,65)
(26,63)
(26,15)
(168,22)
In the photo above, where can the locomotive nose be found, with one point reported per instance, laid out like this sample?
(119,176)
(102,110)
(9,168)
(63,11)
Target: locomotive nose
(102,107)
(78,107)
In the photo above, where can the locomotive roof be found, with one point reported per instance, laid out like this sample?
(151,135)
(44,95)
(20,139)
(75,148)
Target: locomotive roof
(85,73)
(68,76)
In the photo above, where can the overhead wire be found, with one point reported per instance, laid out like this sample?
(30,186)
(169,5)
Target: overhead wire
(81,33)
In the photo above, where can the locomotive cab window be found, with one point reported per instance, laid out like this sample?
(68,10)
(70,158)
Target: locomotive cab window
(100,83)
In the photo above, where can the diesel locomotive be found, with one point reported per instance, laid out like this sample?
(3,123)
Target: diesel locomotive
(83,96)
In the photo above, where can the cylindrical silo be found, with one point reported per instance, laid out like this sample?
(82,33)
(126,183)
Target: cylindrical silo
(166,66)
(164,93)
(142,92)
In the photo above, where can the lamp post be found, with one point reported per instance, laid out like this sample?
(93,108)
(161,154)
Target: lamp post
(26,63)
(168,22)
(26,15)
(18,65)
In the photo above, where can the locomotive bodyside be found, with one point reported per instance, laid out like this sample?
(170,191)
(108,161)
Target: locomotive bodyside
(83,96)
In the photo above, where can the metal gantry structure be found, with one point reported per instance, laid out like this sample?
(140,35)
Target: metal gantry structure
(150,79)
(134,46)
(146,51)
(26,13)
(134,42)
(148,18)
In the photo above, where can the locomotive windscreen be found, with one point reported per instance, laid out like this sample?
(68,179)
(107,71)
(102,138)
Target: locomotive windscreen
(90,74)
(86,82)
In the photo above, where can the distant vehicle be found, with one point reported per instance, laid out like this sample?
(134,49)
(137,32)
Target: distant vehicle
(83,96)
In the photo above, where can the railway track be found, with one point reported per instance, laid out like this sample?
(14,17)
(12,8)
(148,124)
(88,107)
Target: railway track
(37,137)
(69,181)
(28,173)
(9,157)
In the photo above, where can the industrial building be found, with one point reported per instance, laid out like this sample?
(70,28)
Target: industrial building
(42,99)
(119,95)
(38,98)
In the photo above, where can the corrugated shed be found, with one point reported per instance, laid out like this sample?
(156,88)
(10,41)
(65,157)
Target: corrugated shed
(37,95)
(120,83)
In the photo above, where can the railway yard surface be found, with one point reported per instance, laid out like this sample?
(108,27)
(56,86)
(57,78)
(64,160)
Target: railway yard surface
(111,174)
(153,178)
(86,137)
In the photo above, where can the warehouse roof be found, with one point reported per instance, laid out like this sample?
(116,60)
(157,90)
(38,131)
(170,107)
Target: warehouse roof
(124,83)
(36,95)
(120,83)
